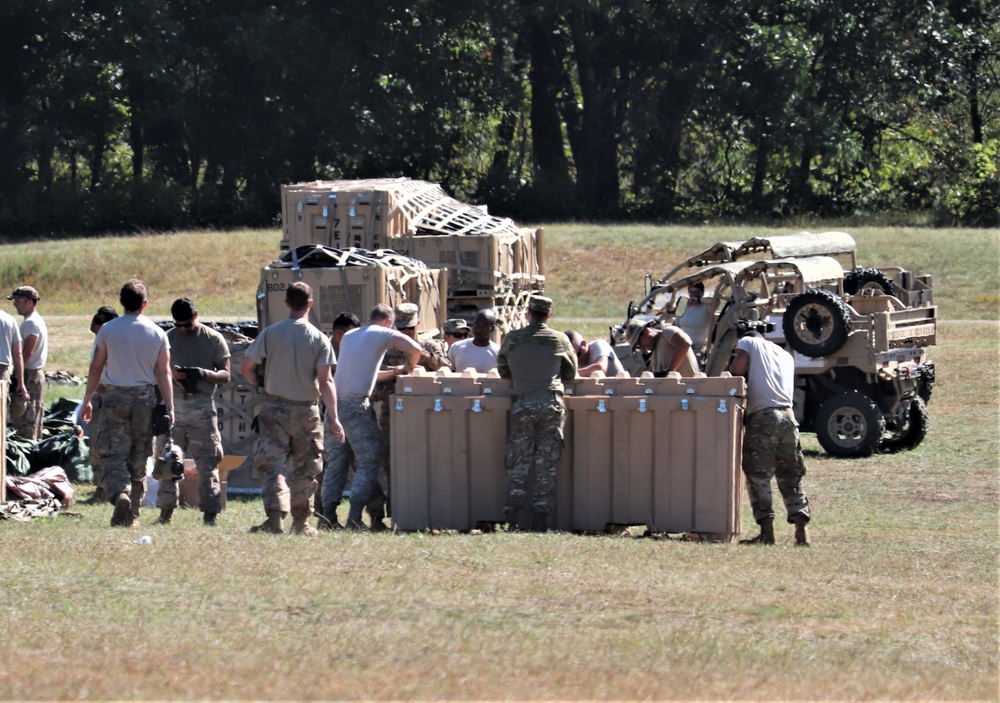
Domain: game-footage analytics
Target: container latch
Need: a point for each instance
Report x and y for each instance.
(684, 403)
(437, 405)
(399, 404)
(601, 406)
(722, 406)
(477, 406)
(642, 405)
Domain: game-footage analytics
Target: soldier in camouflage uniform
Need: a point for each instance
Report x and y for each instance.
(200, 358)
(537, 359)
(132, 355)
(297, 374)
(433, 356)
(103, 314)
(362, 352)
(771, 436)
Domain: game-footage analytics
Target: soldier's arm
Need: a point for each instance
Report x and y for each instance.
(248, 370)
(28, 345)
(163, 381)
(503, 366)
(93, 379)
(409, 348)
(567, 364)
(18, 363)
(324, 377)
(740, 363)
(221, 375)
(680, 343)
(434, 357)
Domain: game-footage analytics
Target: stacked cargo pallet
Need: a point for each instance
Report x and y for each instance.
(491, 262)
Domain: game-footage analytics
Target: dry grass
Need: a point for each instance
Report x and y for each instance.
(897, 599)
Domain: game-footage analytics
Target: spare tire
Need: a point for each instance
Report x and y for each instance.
(866, 278)
(913, 431)
(850, 424)
(816, 323)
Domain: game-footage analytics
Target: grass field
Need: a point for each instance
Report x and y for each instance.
(896, 600)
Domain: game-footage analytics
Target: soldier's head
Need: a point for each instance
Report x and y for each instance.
(103, 314)
(454, 330)
(298, 298)
(696, 291)
(185, 315)
(133, 296)
(381, 315)
(483, 325)
(342, 324)
(578, 343)
(539, 309)
(407, 316)
(25, 298)
(641, 334)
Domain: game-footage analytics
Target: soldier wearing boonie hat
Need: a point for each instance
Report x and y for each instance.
(669, 348)
(537, 359)
(35, 351)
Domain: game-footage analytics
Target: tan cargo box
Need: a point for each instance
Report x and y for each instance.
(237, 404)
(355, 289)
(479, 264)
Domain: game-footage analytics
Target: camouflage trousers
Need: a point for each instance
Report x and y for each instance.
(534, 443)
(771, 449)
(29, 425)
(94, 428)
(196, 432)
(290, 454)
(125, 441)
(362, 445)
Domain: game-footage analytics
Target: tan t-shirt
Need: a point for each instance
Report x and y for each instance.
(293, 350)
(663, 352)
(204, 347)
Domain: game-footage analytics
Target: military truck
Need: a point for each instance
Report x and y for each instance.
(859, 335)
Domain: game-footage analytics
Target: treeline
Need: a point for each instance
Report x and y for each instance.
(119, 115)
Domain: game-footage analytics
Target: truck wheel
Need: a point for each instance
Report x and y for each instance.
(816, 323)
(850, 424)
(866, 278)
(912, 433)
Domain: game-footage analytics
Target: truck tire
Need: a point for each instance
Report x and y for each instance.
(816, 323)
(866, 278)
(850, 424)
(910, 434)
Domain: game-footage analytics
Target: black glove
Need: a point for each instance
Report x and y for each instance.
(161, 420)
(192, 374)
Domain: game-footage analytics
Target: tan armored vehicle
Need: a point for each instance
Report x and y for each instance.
(859, 336)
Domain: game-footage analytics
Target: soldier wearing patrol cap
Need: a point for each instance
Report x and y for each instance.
(454, 330)
(537, 359)
(432, 357)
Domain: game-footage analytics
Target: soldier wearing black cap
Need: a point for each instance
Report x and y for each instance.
(35, 351)
(537, 359)
(199, 363)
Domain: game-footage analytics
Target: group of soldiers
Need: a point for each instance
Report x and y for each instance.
(318, 419)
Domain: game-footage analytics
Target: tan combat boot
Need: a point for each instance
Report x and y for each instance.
(801, 533)
(274, 524)
(300, 526)
(766, 535)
